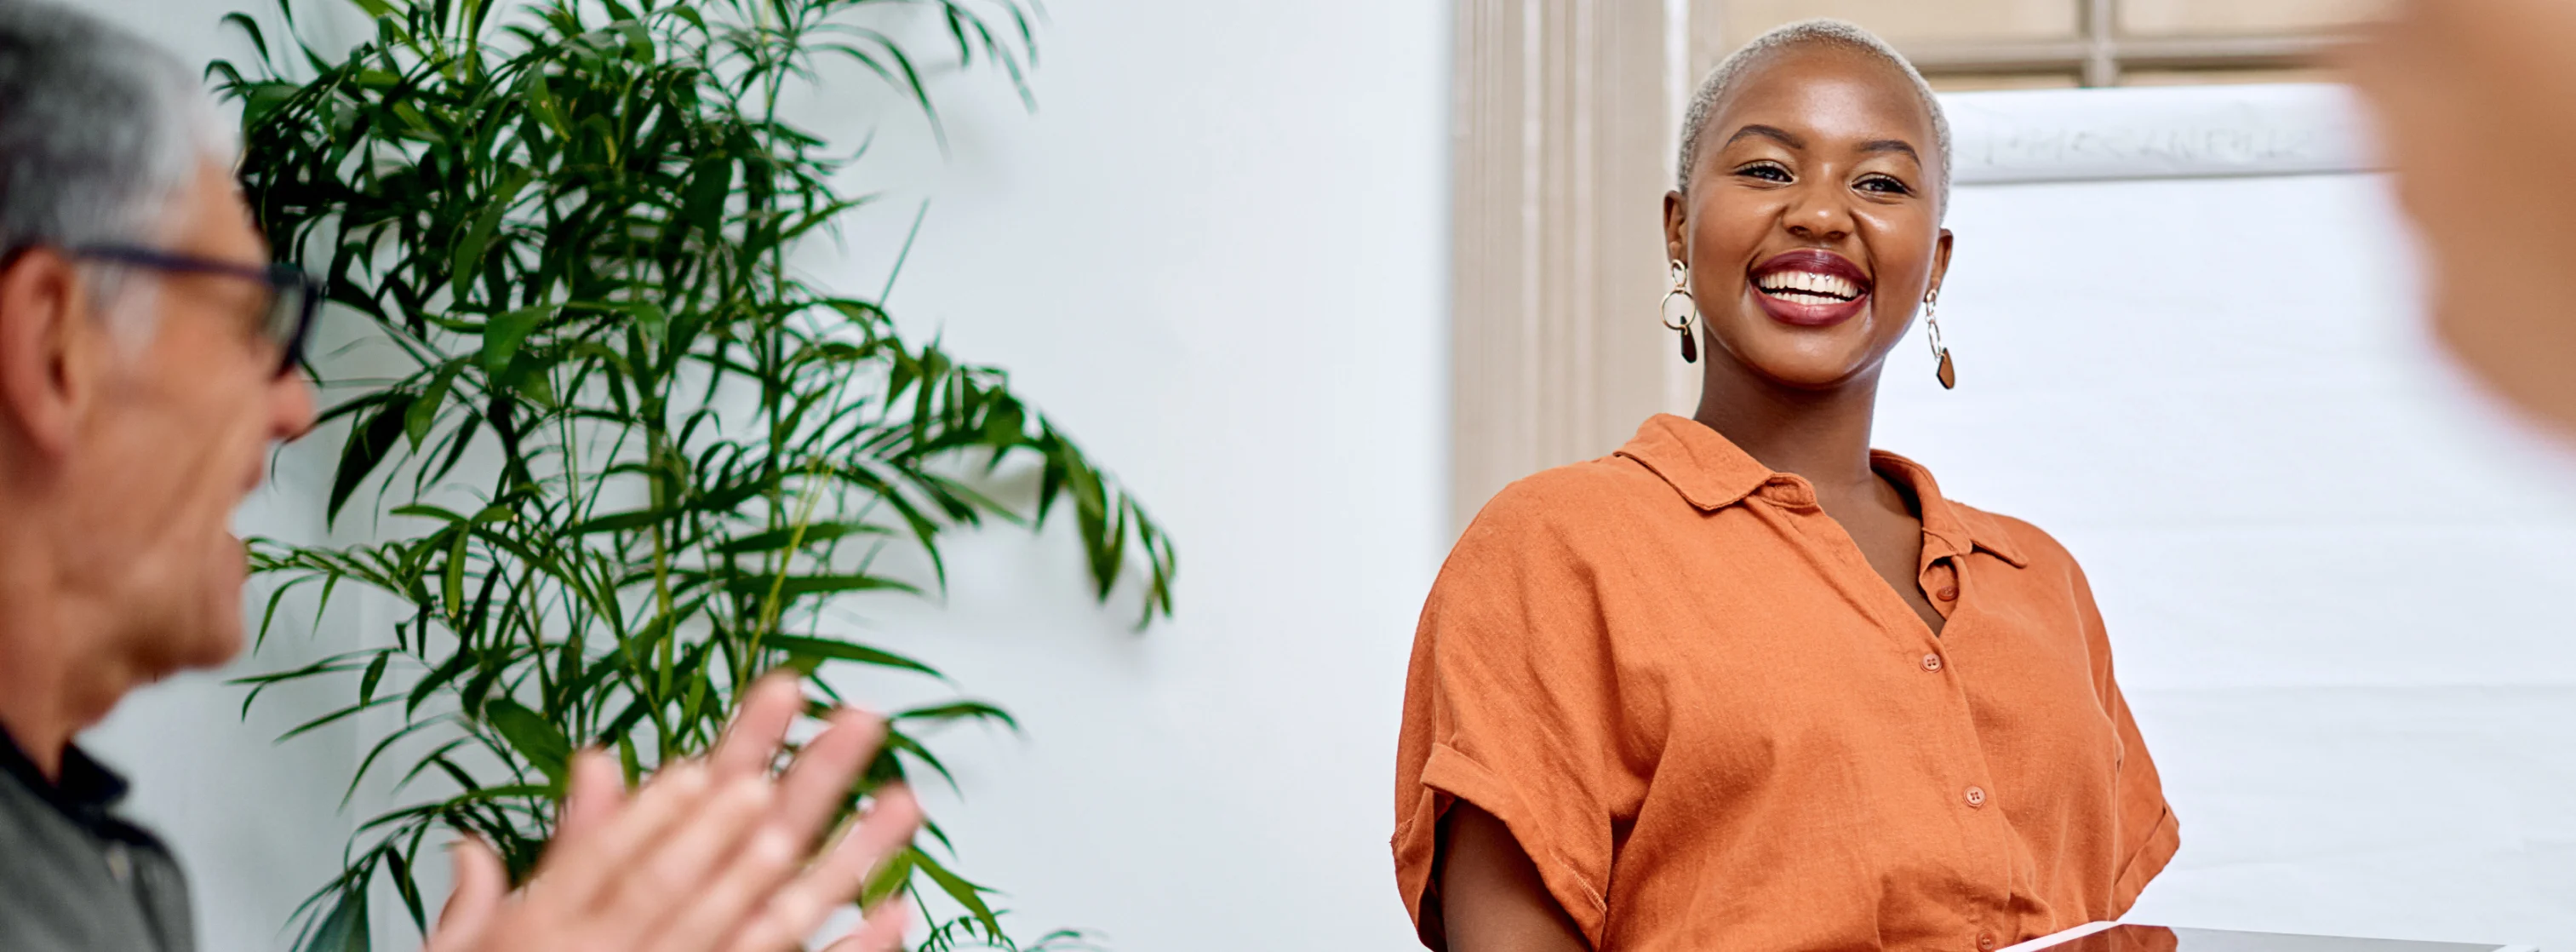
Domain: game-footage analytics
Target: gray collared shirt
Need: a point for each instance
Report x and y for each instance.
(73, 876)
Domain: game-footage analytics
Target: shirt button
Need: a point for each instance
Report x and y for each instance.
(1931, 662)
(1986, 941)
(1948, 593)
(1976, 796)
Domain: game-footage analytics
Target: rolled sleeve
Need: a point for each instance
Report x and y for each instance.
(1510, 705)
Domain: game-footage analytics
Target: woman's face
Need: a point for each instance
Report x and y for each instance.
(1812, 227)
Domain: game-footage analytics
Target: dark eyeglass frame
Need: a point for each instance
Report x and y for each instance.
(294, 296)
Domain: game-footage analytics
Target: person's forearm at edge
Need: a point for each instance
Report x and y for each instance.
(1491, 896)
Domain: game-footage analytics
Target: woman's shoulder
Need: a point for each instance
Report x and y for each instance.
(1580, 498)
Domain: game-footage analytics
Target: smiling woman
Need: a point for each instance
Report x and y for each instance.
(1747, 683)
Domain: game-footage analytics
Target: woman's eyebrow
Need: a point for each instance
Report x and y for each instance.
(1768, 132)
(1893, 145)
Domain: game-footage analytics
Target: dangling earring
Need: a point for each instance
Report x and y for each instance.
(1681, 289)
(1940, 353)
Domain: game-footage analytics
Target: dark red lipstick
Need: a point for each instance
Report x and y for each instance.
(1810, 287)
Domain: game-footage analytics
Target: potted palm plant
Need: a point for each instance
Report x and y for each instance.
(630, 455)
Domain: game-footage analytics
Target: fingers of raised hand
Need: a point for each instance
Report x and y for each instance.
(817, 783)
(834, 881)
(594, 793)
(711, 915)
(574, 875)
(691, 858)
(481, 885)
(750, 744)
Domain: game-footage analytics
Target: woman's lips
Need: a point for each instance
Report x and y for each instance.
(1810, 288)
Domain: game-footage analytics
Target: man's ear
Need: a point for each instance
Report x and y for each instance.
(43, 305)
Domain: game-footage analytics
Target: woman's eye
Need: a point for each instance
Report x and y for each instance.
(1884, 184)
(1764, 171)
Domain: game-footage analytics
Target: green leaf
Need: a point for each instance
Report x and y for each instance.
(423, 413)
(344, 929)
(369, 444)
(810, 535)
(375, 673)
(966, 894)
(651, 319)
(710, 186)
(400, 869)
(505, 333)
(469, 251)
(837, 650)
(452, 581)
(331, 718)
(438, 677)
(258, 40)
(531, 735)
(794, 586)
(959, 710)
(618, 522)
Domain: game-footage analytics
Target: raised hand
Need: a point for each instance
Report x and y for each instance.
(2475, 101)
(707, 857)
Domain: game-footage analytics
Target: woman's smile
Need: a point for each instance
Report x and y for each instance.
(1810, 287)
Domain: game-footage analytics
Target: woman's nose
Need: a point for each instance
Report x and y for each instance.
(1819, 214)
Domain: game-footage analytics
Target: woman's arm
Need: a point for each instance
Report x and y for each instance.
(1491, 898)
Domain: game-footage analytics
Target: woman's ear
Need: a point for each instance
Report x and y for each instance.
(1677, 224)
(1940, 260)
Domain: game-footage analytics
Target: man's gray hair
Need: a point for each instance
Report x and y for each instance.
(1821, 31)
(99, 129)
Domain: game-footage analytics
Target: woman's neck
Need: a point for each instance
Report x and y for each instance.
(1822, 435)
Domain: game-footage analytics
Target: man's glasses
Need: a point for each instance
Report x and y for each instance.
(293, 296)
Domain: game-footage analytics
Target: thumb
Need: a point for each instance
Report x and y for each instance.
(474, 902)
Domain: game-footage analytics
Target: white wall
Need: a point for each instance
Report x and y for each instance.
(1217, 254)
(2336, 580)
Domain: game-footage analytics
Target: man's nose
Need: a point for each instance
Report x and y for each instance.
(291, 407)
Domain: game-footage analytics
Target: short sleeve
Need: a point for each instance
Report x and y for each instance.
(1511, 704)
(2149, 834)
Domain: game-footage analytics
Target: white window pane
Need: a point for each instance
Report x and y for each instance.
(2228, 77)
(2172, 17)
(1902, 21)
(1973, 82)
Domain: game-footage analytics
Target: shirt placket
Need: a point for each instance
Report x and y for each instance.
(1987, 835)
(1961, 766)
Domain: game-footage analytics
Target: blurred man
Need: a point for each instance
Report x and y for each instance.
(148, 358)
(2477, 105)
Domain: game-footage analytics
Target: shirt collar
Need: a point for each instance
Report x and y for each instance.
(1712, 473)
(1948, 528)
(85, 791)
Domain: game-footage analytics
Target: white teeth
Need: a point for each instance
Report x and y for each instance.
(1809, 284)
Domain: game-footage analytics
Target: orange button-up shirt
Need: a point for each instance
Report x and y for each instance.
(1713, 726)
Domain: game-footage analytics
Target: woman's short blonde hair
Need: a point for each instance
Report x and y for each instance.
(1824, 31)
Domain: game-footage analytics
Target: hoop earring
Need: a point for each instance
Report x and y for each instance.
(1681, 289)
(1940, 353)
